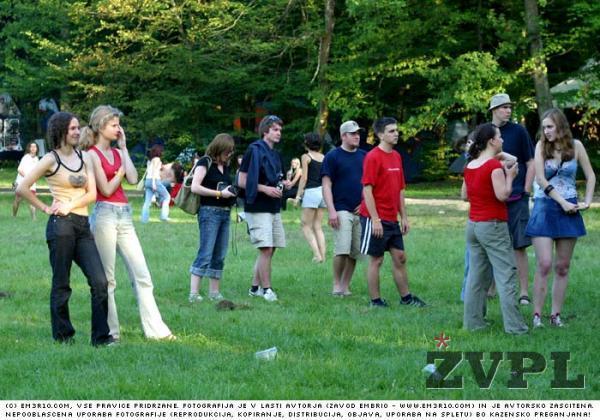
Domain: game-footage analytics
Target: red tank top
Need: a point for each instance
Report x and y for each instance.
(110, 170)
(480, 191)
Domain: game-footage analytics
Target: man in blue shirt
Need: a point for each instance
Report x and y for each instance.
(261, 176)
(341, 174)
(518, 143)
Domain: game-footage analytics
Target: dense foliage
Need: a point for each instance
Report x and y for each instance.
(184, 70)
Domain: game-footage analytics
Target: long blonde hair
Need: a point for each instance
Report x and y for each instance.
(98, 119)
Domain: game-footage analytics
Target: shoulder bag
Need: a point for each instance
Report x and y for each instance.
(185, 199)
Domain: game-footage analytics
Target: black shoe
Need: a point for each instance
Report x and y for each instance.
(379, 304)
(111, 342)
(413, 301)
(66, 341)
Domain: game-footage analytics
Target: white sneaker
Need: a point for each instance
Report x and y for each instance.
(269, 295)
(537, 321)
(259, 292)
(555, 321)
(195, 298)
(215, 296)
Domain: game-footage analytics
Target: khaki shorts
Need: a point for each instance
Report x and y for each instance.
(266, 230)
(346, 238)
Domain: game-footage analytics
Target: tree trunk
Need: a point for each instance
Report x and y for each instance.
(321, 72)
(543, 97)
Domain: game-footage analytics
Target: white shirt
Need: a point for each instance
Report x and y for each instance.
(26, 165)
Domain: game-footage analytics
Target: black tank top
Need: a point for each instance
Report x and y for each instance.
(313, 178)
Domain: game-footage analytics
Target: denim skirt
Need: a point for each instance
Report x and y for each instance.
(550, 221)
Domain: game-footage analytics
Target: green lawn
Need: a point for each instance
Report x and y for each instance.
(329, 348)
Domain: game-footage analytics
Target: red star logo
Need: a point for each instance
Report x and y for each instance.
(442, 340)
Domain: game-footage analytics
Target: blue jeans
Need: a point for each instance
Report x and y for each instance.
(214, 238)
(69, 239)
(163, 197)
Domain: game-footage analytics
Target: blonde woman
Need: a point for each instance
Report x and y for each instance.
(113, 223)
(293, 176)
(28, 162)
(556, 222)
(311, 192)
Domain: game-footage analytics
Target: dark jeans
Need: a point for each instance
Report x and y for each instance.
(69, 239)
(291, 193)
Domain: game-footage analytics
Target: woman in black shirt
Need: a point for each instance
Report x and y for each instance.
(213, 182)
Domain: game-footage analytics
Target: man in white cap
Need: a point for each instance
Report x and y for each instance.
(518, 143)
(341, 175)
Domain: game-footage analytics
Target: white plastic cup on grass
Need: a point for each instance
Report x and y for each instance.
(268, 354)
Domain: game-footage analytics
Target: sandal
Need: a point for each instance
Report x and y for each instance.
(524, 300)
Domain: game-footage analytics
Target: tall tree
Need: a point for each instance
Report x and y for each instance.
(321, 72)
(539, 70)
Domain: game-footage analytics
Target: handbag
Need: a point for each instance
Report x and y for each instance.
(185, 199)
(140, 184)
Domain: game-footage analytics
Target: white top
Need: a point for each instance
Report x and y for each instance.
(26, 165)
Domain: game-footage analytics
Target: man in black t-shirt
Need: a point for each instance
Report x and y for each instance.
(261, 175)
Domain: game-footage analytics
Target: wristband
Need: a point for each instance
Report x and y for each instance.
(548, 189)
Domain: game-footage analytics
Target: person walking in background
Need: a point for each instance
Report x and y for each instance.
(112, 221)
(487, 185)
(556, 221)
(293, 175)
(70, 177)
(517, 143)
(341, 174)
(310, 191)
(213, 182)
(153, 185)
(261, 176)
(27, 163)
(383, 200)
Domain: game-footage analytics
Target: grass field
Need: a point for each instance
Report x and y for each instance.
(329, 348)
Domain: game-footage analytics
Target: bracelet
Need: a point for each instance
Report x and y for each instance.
(548, 189)
(376, 220)
(219, 194)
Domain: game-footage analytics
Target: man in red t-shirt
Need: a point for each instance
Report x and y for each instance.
(383, 199)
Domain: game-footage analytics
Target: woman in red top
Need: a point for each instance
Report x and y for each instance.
(112, 221)
(487, 184)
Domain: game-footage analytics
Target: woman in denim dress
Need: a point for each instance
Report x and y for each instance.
(556, 222)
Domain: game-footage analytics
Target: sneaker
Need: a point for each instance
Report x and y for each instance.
(413, 301)
(195, 298)
(379, 304)
(259, 292)
(269, 295)
(524, 300)
(215, 296)
(555, 321)
(537, 321)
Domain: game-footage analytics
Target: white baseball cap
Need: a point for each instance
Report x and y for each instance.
(349, 127)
